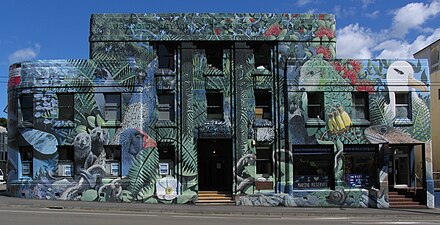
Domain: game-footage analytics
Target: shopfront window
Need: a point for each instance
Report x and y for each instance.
(360, 165)
(26, 156)
(112, 160)
(65, 160)
(313, 166)
(166, 158)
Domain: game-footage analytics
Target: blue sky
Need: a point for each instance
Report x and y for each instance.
(55, 29)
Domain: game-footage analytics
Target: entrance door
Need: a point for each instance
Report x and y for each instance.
(215, 164)
(401, 169)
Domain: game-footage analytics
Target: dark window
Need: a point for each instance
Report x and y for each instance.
(165, 53)
(166, 158)
(214, 56)
(214, 105)
(27, 107)
(166, 106)
(315, 107)
(313, 166)
(360, 105)
(65, 161)
(26, 155)
(65, 107)
(360, 165)
(113, 160)
(262, 55)
(403, 109)
(112, 107)
(263, 104)
(264, 161)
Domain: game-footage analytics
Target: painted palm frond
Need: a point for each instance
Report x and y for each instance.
(143, 172)
(421, 128)
(380, 112)
(189, 157)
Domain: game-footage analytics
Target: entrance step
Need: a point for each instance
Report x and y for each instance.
(404, 199)
(215, 198)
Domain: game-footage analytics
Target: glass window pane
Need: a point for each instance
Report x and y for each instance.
(165, 54)
(27, 107)
(360, 169)
(214, 56)
(112, 107)
(214, 105)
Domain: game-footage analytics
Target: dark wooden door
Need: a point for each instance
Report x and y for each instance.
(215, 164)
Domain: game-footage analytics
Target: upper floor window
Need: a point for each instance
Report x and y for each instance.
(214, 56)
(27, 107)
(263, 104)
(315, 106)
(360, 105)
(403, 107)
(165, 53)
(214, 102)
(65, 106)
(112, 107)
(262, 55)
(166, 106)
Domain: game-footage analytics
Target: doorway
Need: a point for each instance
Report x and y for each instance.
(215, 164)
(401, 167)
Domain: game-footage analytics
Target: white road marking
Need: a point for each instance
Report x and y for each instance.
(397, 222)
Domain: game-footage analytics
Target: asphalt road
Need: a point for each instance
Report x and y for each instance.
(77, 217)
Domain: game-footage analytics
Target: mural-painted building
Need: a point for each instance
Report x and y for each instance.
(175, 108)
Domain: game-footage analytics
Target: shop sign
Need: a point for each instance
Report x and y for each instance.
(358, 180)
(312, 148)
(310, 181)
(360, 148)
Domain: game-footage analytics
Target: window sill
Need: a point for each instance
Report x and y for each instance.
(165, 124)
(165, 72)
(25, 124)
(111, 123)
(261, 72)
(403, 122)
(361, 122)
(263, 123)
(315, 122)
(213, 72)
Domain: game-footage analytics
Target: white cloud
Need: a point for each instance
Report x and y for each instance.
(373, 15)
(354, 41)
(402, 49)
(303, 2)
(365, 3)
(344, 12)
(25, 54)
(412, 16)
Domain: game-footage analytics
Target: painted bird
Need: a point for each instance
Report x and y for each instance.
(133, 141)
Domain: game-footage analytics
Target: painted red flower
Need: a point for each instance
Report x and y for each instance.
(324, 51)
(351, 75)
(274, 30)
(301, 30)
(356, 65)
(217, 31)
(321, 16)
(338, 66)
(252, 19)
(228, 20)
(322, 31)
(365, 86)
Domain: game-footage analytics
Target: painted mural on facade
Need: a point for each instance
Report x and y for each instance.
(132, 70)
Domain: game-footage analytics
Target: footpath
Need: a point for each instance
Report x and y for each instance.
(7, 202)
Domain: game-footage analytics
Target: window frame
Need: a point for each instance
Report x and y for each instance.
(214, 56)
(28, 160)
(25, 107)
(112, 107)
(362, 150)
(263, 101)
(210, 94)
(168, 158)
(266, 160)
(315, 104)
(62, 107)
(116, 159)
(165, 54)
(406, 105)
(69, 159)
(262, 54)
(162, 108)
(365, 106)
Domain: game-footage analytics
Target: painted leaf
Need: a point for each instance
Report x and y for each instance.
(89, 195)
(43, 142)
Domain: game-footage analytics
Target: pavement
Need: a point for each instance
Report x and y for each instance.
(21, 203)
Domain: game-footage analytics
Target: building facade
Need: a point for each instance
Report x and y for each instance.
(254, 106)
